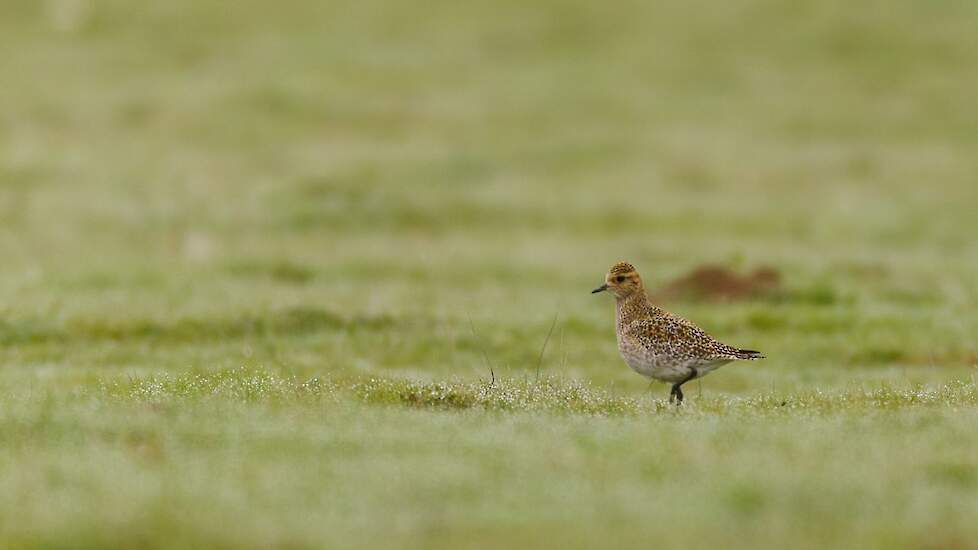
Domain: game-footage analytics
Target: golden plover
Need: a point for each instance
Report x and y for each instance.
(658, 344)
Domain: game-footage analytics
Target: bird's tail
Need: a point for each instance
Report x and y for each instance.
(749, 354)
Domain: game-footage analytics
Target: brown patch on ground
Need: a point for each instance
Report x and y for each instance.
(719, 284)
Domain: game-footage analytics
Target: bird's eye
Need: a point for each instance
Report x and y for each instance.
(620, 278)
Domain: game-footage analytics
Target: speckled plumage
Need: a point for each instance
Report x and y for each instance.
(658, 344)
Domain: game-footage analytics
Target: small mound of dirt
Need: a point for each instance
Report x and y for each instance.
(720, 284)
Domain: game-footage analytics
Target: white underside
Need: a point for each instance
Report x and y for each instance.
(670, 369)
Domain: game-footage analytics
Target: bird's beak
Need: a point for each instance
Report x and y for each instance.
(601, 288)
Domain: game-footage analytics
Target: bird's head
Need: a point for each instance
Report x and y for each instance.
(622, 280)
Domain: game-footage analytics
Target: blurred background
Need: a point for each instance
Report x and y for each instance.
(405, 189)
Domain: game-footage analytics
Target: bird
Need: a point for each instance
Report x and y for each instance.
(658, 344)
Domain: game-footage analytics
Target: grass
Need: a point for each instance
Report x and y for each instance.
(280, 276)
(178, 458)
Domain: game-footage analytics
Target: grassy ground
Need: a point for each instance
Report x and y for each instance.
(258, 262)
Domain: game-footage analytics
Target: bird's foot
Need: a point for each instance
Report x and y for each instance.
(677, 394)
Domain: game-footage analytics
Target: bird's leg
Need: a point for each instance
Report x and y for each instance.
(677, 390)
(676, 394)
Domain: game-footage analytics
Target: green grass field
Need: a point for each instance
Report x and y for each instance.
(281, 275)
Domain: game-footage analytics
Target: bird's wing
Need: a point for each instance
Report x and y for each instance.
(665, 333)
